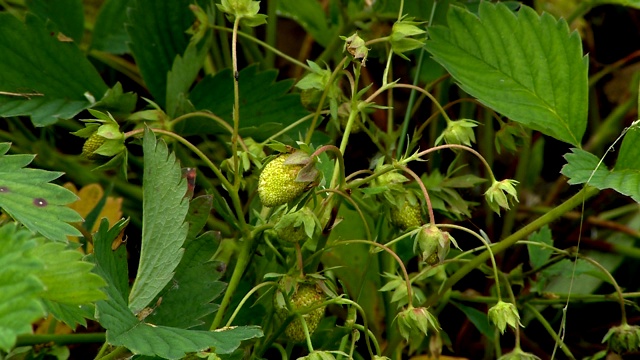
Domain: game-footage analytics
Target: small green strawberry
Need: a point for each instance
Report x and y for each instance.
(297, 226)
(277, 184)
(406, 216)
(305, 296)
(91, 145)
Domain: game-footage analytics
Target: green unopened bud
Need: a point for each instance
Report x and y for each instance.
(406, 36)
(246, 10)
(434, 244)
(354, 44)
(623, 338)
(518, 354)
(314, 84)
(504, 313)
(297, 226)
(509, 136)
(103, 134)
(318, 355)
(501, 195)
(416, 321)
(459, 132)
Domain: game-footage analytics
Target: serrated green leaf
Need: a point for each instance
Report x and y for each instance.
(109, 33)
(116, 102)
(187, 298)
(311, 16)
(67, 16)
(72, 315)
(55, 73)
(124, 328)
(19, 285)
(27, 196)
(164, 209)
(525, 66)
(478, 318)
(539, 255)
(157, 33)
(184, 71)
(266, 104)
(199, 209)
(629, 152)
(581, 168)
(67, 279)
(629, 3)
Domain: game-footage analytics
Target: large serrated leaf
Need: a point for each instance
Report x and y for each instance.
(266, 106)
(67, 16)
(581, 168)
(19, 285)
(164, 209)
(189, 295)
(67, 279)
(525, 66)
(157, 33)
(109, 33)
(125, 329)
(41, 76)
(27, 196)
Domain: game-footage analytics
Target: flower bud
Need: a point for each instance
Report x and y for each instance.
(354, 44)
(416, 321)
(501, 194)
(504, 313)
(623, 338)
(459, 132)
(434, 244)
(406, 36)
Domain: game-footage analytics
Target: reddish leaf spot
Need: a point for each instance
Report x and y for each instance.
(40, 202)
(4, 189)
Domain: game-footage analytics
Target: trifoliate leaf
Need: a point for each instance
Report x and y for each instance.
(29, 197)
(140, 337)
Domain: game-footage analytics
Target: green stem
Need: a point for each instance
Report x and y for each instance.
(412, 100)
(115, 354)
(425, 193)
(266, 46)
(318, 111)
(27, 340)
(246, 298)
(236, 105)
(272, 32)
(394, 255)
(235, 198)
(550, 330)
(456, 146)
(623, 312)
(236, 276)
(486, 244)
(498, 248)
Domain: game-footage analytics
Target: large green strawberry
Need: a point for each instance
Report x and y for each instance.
(305, 296)
(277, 184)
(407, 216)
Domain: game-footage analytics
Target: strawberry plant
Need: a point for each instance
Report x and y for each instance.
(340, 179)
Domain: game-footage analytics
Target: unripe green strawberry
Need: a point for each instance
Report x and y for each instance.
(277, 185)
(92, 144)
(297, 226)
(407, 216)
(304, 297)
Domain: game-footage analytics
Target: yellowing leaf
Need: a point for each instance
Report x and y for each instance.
(89, 197)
